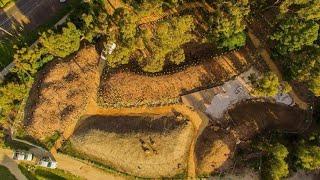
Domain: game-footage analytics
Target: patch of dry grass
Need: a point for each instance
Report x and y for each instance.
(60, 94)
(142, 146)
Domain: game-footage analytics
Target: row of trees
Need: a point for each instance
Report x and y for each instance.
(151, 46)
(227, 24)
(159, 43)
(296, 36)
(278, 160)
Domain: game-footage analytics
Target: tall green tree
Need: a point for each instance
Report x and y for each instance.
(308, 157)
(11, 95)
(305, 67)
(61, 44)
(293, 34)
(166, 43)
(268, 85)
(227, 24)
(275, 167)
(27, 60)
(305, 9)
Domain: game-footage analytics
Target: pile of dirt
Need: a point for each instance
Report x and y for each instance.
(217, 143)
(150, 146)
(127, 89)
(61, 92)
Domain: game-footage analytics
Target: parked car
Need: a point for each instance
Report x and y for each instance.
(22, 155)
(47, 162)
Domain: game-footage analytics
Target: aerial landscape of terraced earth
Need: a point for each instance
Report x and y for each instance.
(159, 89)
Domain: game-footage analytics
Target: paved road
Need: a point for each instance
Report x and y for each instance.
(7, 161)
(28, 14)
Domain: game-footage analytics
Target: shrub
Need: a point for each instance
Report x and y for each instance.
(308, 157)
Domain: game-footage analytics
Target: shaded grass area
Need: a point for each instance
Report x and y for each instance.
(68, 149)
(16, 145)
(40, 173)
(6, 174)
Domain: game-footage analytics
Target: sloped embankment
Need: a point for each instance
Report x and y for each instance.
(61, 93)
(217, 144)
(126, 89)
(145, 146)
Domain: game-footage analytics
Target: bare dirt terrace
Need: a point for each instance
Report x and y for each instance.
(125, 89)
(61, 93)
(145, 146)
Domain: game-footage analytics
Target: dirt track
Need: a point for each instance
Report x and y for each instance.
(273, 67)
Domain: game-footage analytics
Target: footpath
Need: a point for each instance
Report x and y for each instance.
(273, 67)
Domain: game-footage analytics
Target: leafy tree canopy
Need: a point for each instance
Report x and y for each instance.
(11, 95)
(167, 41)
(294, 34)
(27, 60)
(155, 45)
(227, 24)
(306, 9)
(268, 85)
(61, 44)
(275, 167)
(308, 157)
(305, 67)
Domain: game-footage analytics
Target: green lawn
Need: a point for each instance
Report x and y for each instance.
(40, 173)
(6, 174)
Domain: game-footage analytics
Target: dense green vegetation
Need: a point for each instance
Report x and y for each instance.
(297, 38)
(275, 166)
(40, 173)
(6, 174)
(281, 153)
(308, 157)
(269, 85)
(227, 24)
(11, 96)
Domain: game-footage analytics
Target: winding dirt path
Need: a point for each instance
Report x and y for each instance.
(273, 67)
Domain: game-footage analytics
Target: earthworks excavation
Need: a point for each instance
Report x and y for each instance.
(217, 144)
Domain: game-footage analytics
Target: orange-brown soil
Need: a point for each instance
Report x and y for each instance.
(61, 93)
(127, 89)
(217, 144)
